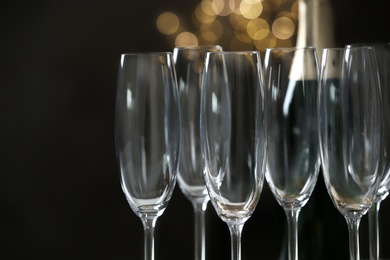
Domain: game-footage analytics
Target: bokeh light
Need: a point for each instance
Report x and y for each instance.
(283, 28)
(257, 29)
(269, 42)
(167, 23)
(251, 8)
(204, 13)
(216, 27)
(186, 39)
(223, 8)
(234, 24)
(242, 36)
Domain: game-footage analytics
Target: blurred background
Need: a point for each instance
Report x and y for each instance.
(60, 193)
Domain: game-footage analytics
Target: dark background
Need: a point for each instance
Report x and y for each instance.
(60, 196)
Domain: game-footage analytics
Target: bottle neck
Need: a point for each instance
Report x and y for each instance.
(315, 24)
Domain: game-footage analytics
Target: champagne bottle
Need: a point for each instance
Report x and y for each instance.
(323, 233)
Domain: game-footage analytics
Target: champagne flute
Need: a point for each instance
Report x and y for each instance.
(382, 53)
(189, 64)
(293, 164)
(233, 144)
(147, 136)
(350, 130)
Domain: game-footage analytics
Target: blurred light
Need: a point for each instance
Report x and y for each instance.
(203, 17)
(223, 9)
(238, 21)
(289, 15)
(234, 19)
(208, 8)
(240, 24)
(251, 8)
(235, 6)
(216, 27)
(283, 28)
(294, 8)
(242, 36)
(257, 29)
(167, 23)
(209, 36)
(186, 39)
(268, 42)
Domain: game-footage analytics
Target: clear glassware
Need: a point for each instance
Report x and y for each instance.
(147, 136)
(350, 130)
(189, 64)
(233, 144)
(291, 76)
(382, 53)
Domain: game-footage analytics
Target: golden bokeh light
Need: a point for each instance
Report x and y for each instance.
(186, 39)
(235, 6)
(234, 19)
(283, 28)
(167, 23)
(268, 42)
(208, 7)
(223, 8)
(216, 27)
(204, 15)
(234, 24)
(208, 36)
(242, 36)
(238, 21)
(292, 16)
(294, 8)
(257, 29)
(251, 8)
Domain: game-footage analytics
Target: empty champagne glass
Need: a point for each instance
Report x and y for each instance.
(189, 64)
(350, 130)
(147, 136)
(382, 53)
(233, 140)
(291, 76)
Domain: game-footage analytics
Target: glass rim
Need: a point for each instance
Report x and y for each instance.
(334, 48)
(234, 52)
(291, 48)
(348, 47)
(197, 47)
(367, 44)
(147, 53)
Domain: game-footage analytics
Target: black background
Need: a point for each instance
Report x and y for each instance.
(60, 196)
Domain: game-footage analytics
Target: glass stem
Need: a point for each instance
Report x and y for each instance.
(200, 234)
(149, 224)
(292, 222)
(353, 231)
(373, 222)
(235, 238)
